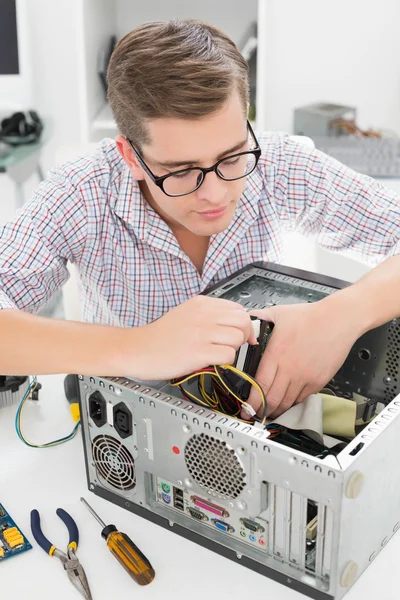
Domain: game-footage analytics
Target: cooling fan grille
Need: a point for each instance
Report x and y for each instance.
(113, 462)
(214, 466)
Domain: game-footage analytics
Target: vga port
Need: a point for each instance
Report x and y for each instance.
(222, 526)
(252, 525)
(197, 514)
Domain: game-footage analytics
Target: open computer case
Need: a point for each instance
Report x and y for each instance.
(313, 523)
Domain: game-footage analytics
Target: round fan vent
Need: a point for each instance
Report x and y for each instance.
(113, 462)
(214, 466)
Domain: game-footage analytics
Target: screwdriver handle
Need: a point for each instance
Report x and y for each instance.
(129, 556)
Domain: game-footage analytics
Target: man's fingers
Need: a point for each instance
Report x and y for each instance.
(265, 314)
(241, 321)
(277, 393)
(265, 376)
(288, 400)
(220, 355)
(229, 336)
(306, 391)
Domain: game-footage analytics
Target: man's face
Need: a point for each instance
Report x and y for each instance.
(181, 143)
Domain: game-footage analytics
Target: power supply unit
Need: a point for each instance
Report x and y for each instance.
(311, 521)
(319, 119)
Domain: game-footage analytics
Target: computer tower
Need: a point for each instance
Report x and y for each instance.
(311, 523)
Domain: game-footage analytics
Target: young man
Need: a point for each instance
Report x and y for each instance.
(185, 196)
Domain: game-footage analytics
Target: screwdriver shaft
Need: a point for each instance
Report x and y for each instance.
(90, 509)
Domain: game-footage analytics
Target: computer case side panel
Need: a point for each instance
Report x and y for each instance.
(371, 494)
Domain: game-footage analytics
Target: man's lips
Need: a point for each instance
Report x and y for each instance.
(215, 212)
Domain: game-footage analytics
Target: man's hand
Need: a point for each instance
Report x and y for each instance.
(200, 332)
(309, 344)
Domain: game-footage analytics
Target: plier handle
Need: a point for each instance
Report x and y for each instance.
(69, 560)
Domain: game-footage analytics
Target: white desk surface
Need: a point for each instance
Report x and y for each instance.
(51, 478)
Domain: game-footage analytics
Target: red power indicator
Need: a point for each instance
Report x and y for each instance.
(175, 450)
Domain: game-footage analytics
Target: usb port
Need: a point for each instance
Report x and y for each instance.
(178, 499)
(356, 449)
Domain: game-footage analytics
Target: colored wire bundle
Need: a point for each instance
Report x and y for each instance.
(18, 422)
(274, 430)
(349, 126)
(220, 394)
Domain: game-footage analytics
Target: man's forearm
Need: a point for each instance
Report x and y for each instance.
(374, 299)
(36, 345)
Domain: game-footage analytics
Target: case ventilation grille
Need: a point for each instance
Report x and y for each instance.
(392, 361)
(214, 466)
(113, 462)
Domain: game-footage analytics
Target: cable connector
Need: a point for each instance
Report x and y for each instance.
(249, 409)
(366, 407)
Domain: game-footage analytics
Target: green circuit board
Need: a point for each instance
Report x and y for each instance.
(12, 540)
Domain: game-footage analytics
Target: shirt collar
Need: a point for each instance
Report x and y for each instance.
(131, 207)
(223, 243)
(249, 204)
(130, 204)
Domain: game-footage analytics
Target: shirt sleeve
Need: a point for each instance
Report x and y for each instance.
(346, 211)
(36, 245)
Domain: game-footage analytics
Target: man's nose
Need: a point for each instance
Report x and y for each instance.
(213, 189)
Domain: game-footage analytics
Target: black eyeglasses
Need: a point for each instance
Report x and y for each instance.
(186, 181)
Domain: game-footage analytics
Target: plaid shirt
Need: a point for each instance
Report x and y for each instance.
(91, 212)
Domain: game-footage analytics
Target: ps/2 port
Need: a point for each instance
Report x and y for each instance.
(166, 488)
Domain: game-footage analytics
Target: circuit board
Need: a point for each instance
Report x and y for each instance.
(12, 540)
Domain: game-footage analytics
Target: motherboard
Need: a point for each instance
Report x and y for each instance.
(12, 540)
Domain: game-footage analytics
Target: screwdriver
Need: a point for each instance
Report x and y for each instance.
(125, 551)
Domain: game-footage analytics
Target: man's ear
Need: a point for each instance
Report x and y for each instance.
(129, 157)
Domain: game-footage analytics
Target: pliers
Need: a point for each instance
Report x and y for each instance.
(69, 560)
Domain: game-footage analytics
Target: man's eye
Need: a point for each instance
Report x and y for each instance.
(232, 161)
(182, 175)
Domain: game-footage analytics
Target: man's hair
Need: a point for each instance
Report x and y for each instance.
(180, 68)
